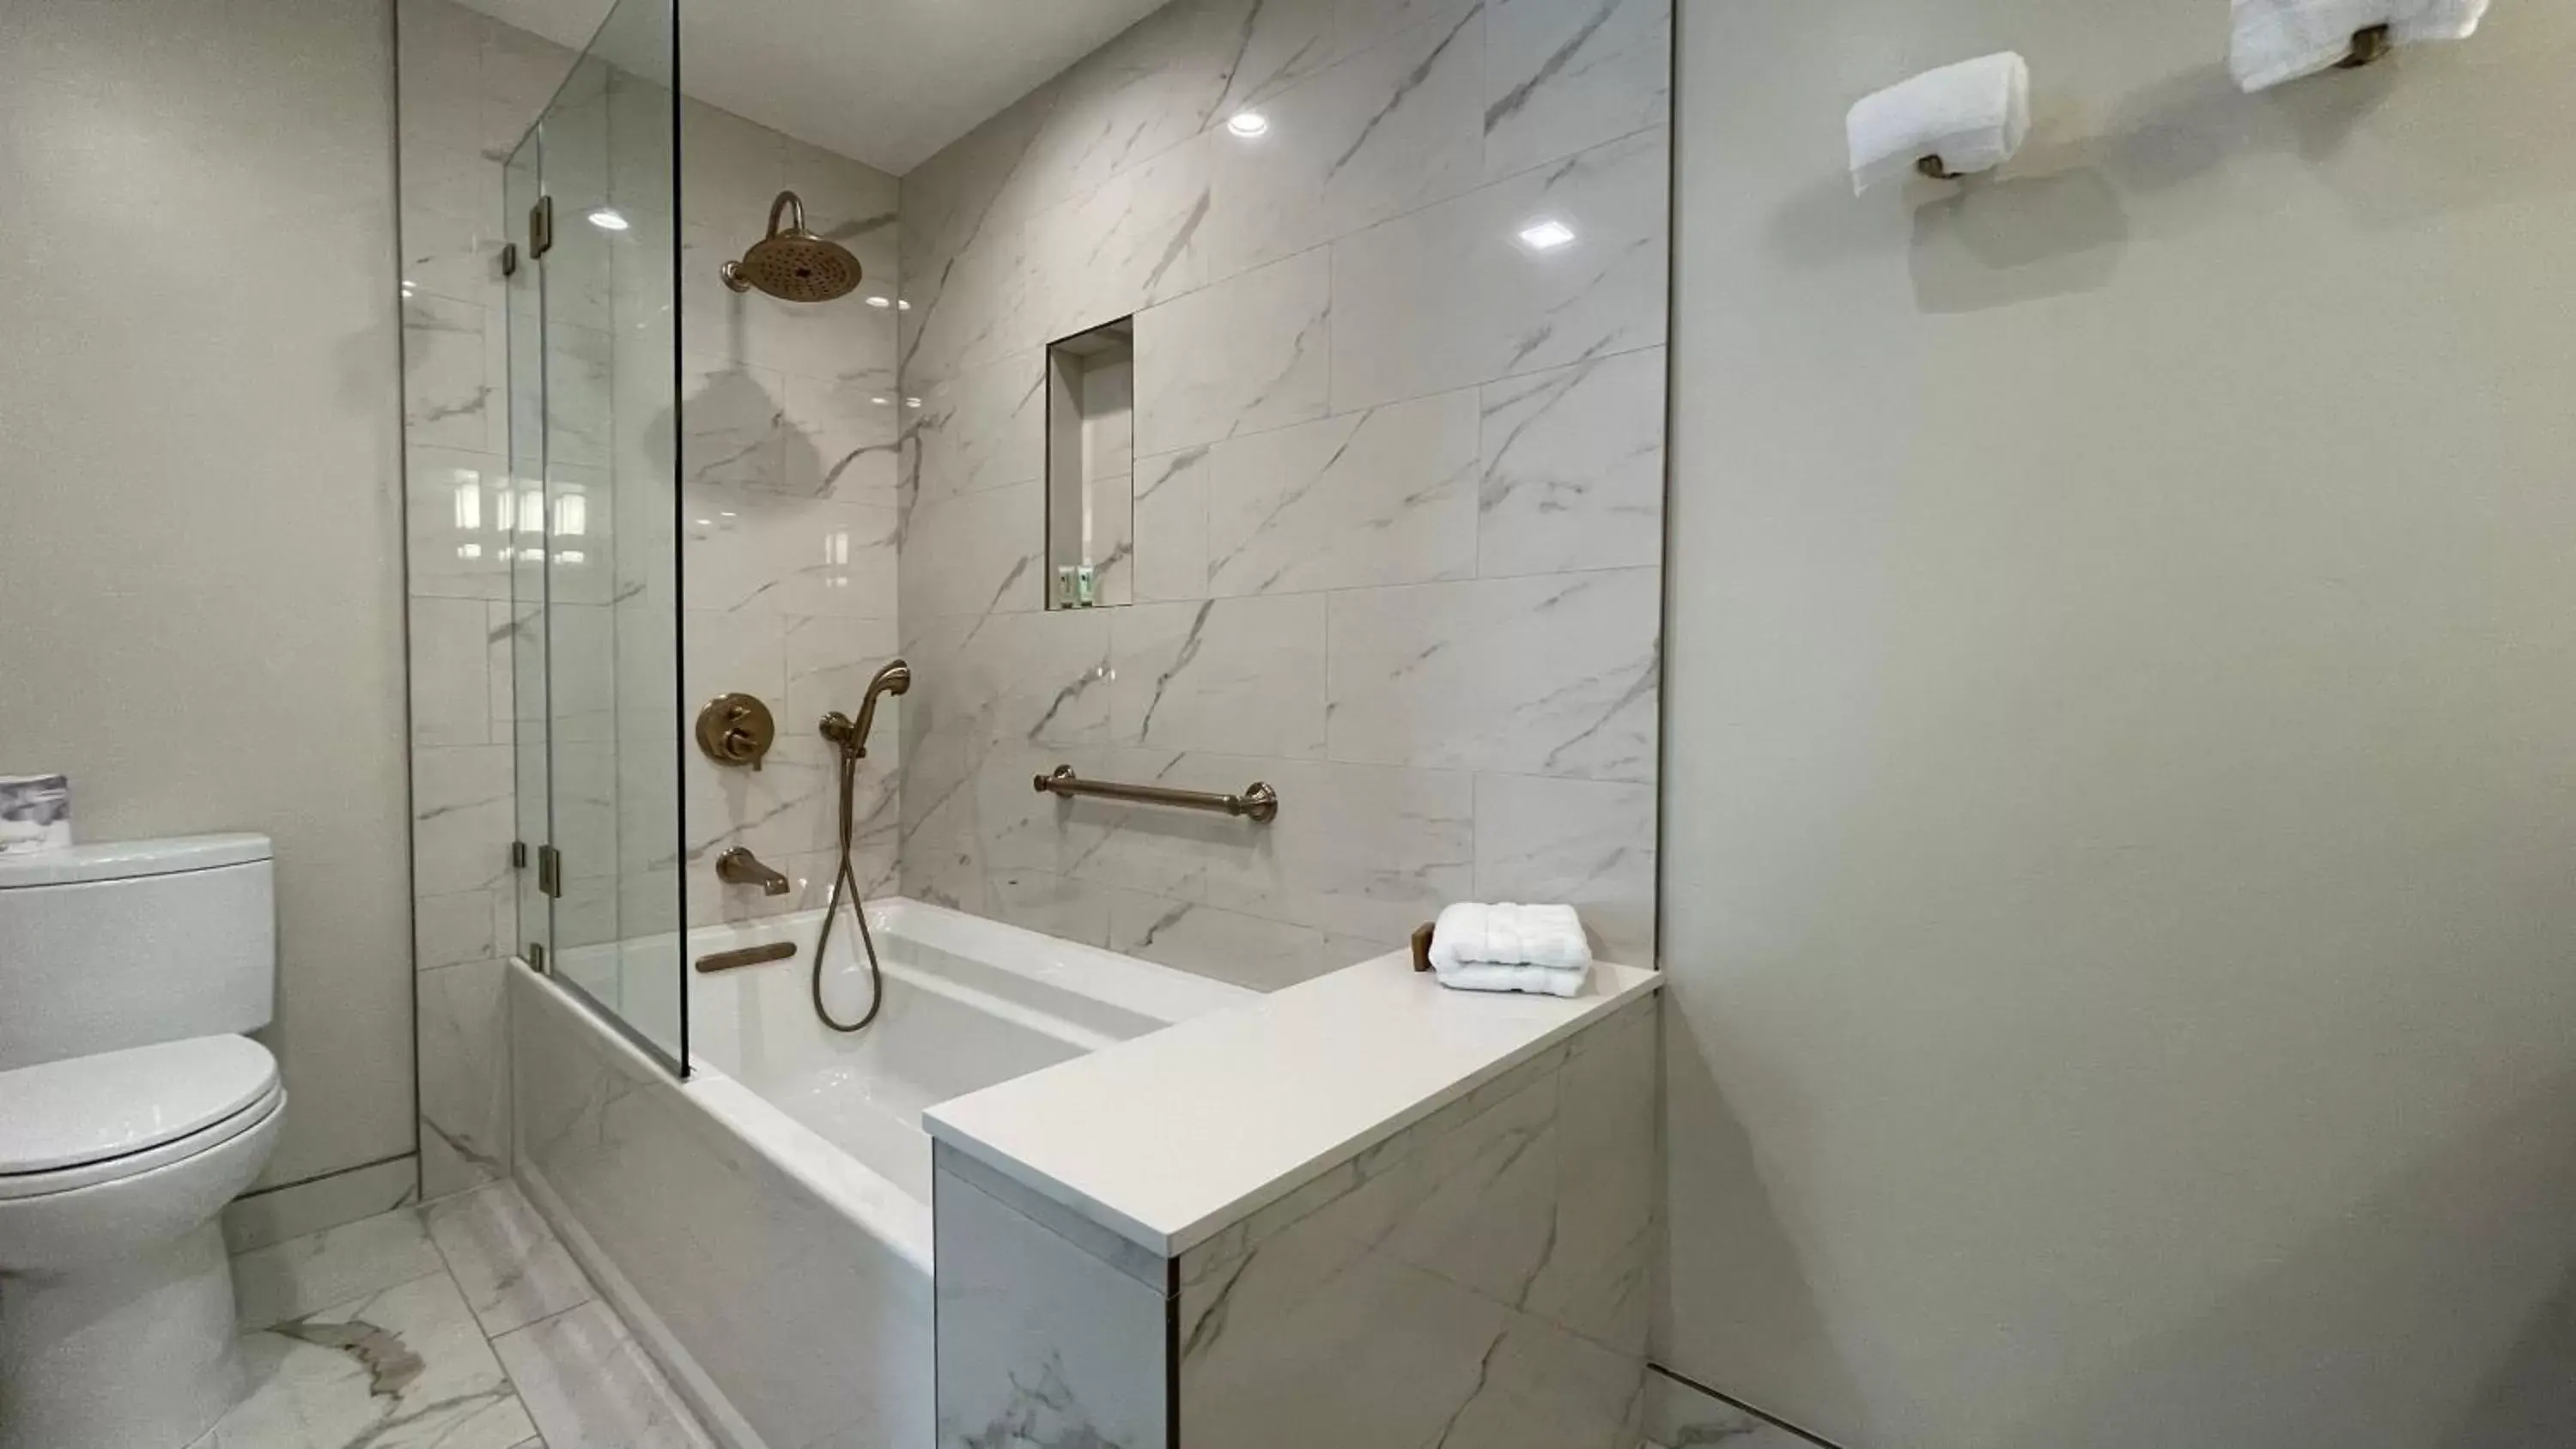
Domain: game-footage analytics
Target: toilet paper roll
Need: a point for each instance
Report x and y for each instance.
(35, 813)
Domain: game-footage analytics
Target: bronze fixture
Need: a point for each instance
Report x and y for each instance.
(837, 727)
(740, 867)
(1937, 169)
(746, 956)
(2369, 43)
(793, 264)
(852, 737)
(1258, 800)
(736, 729)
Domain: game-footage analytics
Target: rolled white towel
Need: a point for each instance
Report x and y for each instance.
(1509, 935)
(2282, 40)
(1538, 980)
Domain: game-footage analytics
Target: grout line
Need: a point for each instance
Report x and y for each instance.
(260, 1192)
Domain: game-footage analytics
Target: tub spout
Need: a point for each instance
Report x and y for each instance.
(740, 867)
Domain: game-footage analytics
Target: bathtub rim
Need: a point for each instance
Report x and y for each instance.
(879, 1205)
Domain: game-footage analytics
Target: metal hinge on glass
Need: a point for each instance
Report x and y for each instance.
(550, 871)
(541, 227)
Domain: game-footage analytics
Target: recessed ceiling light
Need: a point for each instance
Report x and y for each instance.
(879, 302)
(607, 220)
(1248, 124)
(1546, 236)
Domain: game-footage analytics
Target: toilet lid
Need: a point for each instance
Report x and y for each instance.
(96, 1108)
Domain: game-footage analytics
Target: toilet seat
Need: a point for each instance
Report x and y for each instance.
(87, 1120)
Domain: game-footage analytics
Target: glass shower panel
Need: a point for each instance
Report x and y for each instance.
(521, 531)
(606, 244)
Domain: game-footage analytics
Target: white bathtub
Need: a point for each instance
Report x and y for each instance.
(766, 1224)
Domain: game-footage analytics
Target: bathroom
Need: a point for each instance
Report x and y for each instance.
(784, 689)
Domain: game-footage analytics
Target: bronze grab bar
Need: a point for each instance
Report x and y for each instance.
(1258, 800)
(747, 956)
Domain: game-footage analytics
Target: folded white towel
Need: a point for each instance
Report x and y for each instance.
(1973, 115)
(1509, 935)
(2282, 40)
(1538, 980)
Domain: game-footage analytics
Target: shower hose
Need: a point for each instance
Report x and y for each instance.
(846, 881)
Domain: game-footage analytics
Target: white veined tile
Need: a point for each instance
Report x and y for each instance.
(403, 1368)
(506, 1261)
(1548, 675)
(976, 553)
(1247, 354)
(451, 672)
(981, 429)
(447, 399)
(462, 821)
(1248, 951)
(1131, 242)
(1587, 843)
(588, 1385)
(1172, 525)
(732, 420)
(1383, 496)
(840, 437)
(1560, 77)
(464, 1077)
(1457, 294)
(1395, 128)
(303, 1275)
(1572, 468)
(754, 551)
(1243, 676)
(971, 311)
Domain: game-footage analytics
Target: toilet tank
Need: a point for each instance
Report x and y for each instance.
(134, 942)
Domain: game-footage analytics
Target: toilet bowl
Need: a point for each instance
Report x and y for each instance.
(131, 1110)
(116, 1299)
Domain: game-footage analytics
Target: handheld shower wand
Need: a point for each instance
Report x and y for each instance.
(852, 737)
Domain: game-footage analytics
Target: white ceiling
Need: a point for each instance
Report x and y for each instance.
(888, 82)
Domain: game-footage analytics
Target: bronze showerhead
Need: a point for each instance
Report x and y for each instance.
(793, 264)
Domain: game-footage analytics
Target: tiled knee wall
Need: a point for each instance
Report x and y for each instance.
(1482, 1277)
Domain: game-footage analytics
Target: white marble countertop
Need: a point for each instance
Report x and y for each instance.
(1170, 1137)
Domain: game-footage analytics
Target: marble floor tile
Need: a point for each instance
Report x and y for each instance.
(589, 1386)
(504, 1258)
(396, 1369)
(303, 1275)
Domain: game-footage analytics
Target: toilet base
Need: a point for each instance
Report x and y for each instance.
(136, 1350)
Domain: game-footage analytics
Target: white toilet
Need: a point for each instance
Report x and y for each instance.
(131, 1110)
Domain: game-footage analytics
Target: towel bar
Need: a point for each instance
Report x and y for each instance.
(1258, 800)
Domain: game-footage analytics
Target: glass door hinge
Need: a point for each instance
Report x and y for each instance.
(550, 871)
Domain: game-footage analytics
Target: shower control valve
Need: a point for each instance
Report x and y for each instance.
(736, 729)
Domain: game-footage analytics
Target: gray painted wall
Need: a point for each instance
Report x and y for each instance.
(2120, 808)
(200, 525)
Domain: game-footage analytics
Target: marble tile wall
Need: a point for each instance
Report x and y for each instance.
(778, 1313)
(1398, 481)
(789, 428)
(1483, 1277)
(786, 449)
(468, 88)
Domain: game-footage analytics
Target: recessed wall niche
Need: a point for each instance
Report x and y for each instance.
(1091, 467)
